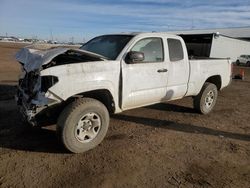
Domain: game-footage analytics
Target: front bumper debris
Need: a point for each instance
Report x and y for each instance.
(33, 109)
(27, 109)
(28, 115)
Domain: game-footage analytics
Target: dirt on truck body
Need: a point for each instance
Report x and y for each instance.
(110, 74)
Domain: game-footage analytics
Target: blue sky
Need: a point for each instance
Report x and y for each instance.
(85, 19)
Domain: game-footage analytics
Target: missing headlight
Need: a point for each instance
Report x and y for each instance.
(47, 82)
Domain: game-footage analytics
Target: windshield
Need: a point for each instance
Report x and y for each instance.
(108, 46)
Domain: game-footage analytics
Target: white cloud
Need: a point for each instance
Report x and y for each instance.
(131, 15)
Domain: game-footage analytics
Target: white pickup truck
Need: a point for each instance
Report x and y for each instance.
(110, 74)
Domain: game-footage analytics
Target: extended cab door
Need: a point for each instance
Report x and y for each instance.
(179, 69)
(145, 82)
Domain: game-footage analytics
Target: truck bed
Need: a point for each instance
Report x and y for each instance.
(200, 69)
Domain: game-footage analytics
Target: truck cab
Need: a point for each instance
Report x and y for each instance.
(151, 79)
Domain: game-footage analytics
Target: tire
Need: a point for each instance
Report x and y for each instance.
(82, 125)
(238, 62)
(248, 64)
(205, 101)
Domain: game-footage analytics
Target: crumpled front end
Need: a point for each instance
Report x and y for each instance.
(34, 95)
(31, 95)
(32, 86)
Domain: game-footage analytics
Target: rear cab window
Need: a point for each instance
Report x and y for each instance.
(175, 50)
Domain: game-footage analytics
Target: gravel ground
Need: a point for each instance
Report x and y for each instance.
(164, 145)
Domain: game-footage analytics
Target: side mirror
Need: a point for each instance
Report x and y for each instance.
(134, 57)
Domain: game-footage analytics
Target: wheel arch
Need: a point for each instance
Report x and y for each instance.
(102, 95)
(216, 80)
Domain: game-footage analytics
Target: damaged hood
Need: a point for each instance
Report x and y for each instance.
(33, 59)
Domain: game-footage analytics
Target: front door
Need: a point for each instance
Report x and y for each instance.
(145, 82)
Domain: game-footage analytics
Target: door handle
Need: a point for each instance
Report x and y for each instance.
(162, 70)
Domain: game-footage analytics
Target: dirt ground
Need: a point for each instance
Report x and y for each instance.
(164, 145)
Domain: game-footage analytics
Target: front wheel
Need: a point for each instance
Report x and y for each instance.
(248, 64)
(83, 124)
(238, 62)
(205, 101)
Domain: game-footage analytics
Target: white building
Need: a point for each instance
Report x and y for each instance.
(217, 43)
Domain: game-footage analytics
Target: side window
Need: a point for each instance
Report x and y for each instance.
(152, 49)
(175, 50)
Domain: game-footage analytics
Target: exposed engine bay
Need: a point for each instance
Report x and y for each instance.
(70, 57)
(33, 95)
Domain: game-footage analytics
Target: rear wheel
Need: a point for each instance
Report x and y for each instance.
(237, 62)
(83, 124)
(205, 101)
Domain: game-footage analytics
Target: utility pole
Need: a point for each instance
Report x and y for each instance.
(51, 34)
(72, 40)
(192, 27)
